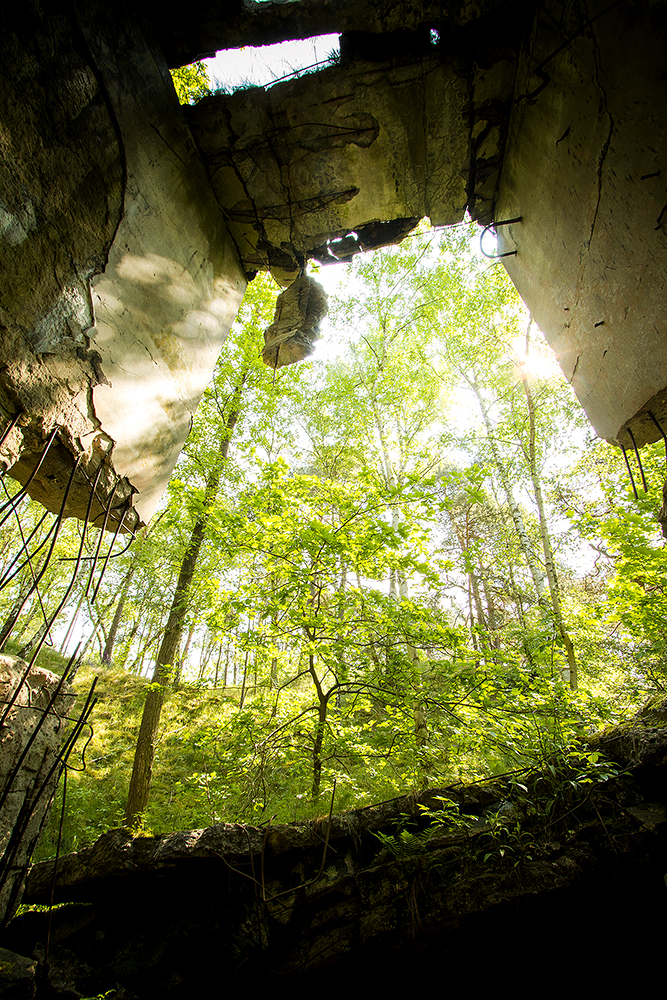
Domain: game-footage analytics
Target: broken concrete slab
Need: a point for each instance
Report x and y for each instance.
(113, 343)
(303, 165)
(584, 169)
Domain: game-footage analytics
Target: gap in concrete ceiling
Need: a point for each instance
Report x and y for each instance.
(234, 69)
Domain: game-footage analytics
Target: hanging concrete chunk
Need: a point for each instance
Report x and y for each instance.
(296, 324)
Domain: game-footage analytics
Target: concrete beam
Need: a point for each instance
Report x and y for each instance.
(221, 25)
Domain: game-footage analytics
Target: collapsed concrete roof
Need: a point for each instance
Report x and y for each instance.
(464, 26)
(128, 228)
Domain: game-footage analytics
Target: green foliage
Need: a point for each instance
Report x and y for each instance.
(191, 83)
(633, 608)
(365, 608)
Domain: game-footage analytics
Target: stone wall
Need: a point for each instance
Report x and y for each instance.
(31, 736)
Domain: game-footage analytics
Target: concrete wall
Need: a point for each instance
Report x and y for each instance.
(124, 281)
(585, 169)
(120, 278)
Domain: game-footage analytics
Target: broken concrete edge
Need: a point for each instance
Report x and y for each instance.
(119, 851)
(647, 426)
(581, 76)
(299, 312)
(69, 479)
(633, 746)
(349, 166)
(212, 28)
(17, 975)
(117, 355)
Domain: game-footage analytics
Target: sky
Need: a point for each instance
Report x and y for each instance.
(258, 67)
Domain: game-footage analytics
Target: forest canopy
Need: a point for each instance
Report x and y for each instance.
(405, 564)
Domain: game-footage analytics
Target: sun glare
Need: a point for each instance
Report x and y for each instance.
(539, 361)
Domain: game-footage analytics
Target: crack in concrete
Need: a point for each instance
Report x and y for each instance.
(601, 160)
(605, 148)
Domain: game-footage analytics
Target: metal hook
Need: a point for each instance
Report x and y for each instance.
(494, 225)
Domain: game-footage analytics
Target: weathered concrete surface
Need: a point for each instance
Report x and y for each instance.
(61, 197)
(297, 167)
(120, 281)
(17, 976)
(296, 324)
(353, 156)
(221, 25)
(30, 740)
(585, 169)
(157, 916)
(172, 284)
(119, 276)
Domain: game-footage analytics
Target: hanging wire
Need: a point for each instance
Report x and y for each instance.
(29, 806)
(8, 576)
(108, 556)
(664, 436)
(639, 461)
(5, 434)
(36, 580)
(632, 478)
(38, 726)
(99, 540)
(32, 546)
(34, 586)
(23, 492)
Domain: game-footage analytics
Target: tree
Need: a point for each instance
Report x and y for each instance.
(301, 528)
(191, 83)
(231, 378)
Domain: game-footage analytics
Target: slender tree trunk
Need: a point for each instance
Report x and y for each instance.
(320, 728)
(536, 571)
(39, 634)
(342, 668)
(474, 597)
(491, 617)
(13, 616)
(571, 674)
(107, 654)
(70, 628)
(217, 666)
(128, 640)
(245, 674)
(224, 679)
(144, 646)
(145, 752)
(178, 672)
